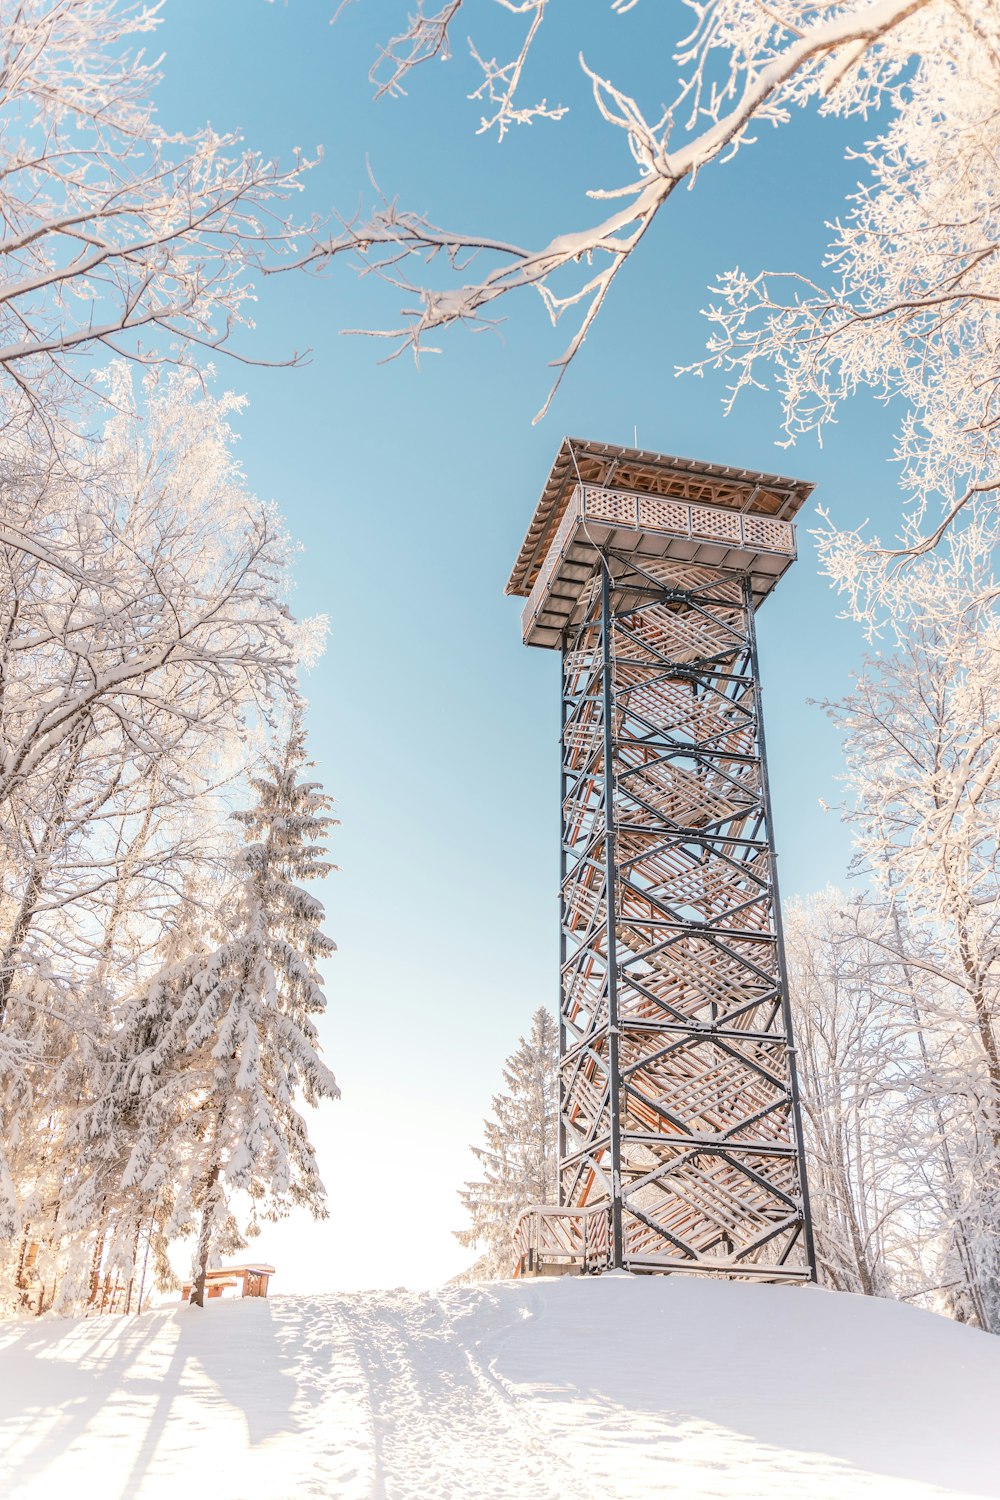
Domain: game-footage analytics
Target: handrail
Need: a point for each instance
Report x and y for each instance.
(547, 1237)
(645, 512)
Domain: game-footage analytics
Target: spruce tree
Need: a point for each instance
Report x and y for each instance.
(215, 1052)
(135, 1139)
(255, 1022)
(520, 1151)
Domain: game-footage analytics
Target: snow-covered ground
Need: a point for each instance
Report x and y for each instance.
(616, 1388)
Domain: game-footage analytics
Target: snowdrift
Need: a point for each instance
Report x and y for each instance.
(611, 1388)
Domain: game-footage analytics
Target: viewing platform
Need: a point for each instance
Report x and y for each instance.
(653, 506)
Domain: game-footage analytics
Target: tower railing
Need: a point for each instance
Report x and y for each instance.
(680, 518)
(551, 1241)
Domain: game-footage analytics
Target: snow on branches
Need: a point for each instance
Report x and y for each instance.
(230, 1040)
(519, 1156)
(922, 747)
(912, 307)
(147, 657)
(744, 64)
(117, 233)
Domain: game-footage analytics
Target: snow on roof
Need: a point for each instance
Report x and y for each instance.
(258, 1267)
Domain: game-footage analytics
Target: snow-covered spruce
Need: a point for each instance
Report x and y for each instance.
(247, 1040)
(200, 1115)
(520, 1153)
(145, 646)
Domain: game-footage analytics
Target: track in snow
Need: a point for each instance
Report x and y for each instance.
(612, 1388)
(440, 1420)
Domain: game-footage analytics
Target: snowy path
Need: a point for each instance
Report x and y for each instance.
(613, 1389)
(437, 1412)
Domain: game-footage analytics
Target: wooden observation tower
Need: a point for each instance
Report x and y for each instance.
(680, 1134)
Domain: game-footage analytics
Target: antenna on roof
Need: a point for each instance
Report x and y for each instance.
(635, 436)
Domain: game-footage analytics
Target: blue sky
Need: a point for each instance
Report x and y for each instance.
(410, 491)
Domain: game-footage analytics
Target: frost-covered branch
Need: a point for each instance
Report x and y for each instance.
(426, 37)
(117, 233)
(911, 309)
(774, 62)
(922, 743)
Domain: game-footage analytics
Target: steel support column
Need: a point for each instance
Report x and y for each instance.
(680, 1108)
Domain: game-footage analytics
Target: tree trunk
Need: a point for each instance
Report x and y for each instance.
(55, 825)
(205, 1238)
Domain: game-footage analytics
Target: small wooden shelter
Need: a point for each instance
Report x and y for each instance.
(245, 1281)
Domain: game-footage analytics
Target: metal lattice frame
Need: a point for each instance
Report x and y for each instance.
(679, 1105)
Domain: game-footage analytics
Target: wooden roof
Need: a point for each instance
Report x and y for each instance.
(613, 467)
(256, 1267)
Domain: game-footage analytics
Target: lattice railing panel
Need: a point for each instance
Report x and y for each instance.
(766, 532)
(664, 515)
(611, 505)
(716, 524)
(679, 518)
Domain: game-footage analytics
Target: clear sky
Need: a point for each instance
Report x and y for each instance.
(410, 491)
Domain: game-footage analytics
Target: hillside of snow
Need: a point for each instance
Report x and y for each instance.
(610, 1388)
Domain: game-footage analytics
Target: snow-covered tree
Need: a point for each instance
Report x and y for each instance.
(922, 741)
(844, 1037)
(177, 613)
(236, 1042)
(879, 1138)
(120, 233)
(146, 646)
(131, 698)
(520, 1153)
(147, 652)
(909, 307)
(196, 1126)
(123, 1189)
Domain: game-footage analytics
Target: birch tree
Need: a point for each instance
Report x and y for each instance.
(883, 1148)
(844, 1049)
(129, 698)
(520, 1154)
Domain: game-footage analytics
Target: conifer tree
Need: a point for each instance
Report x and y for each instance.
(214, 1054)
(260, 993)
(134, 1139)
(520, 1151)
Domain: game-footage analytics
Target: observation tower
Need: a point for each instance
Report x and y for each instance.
(680, 1142)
